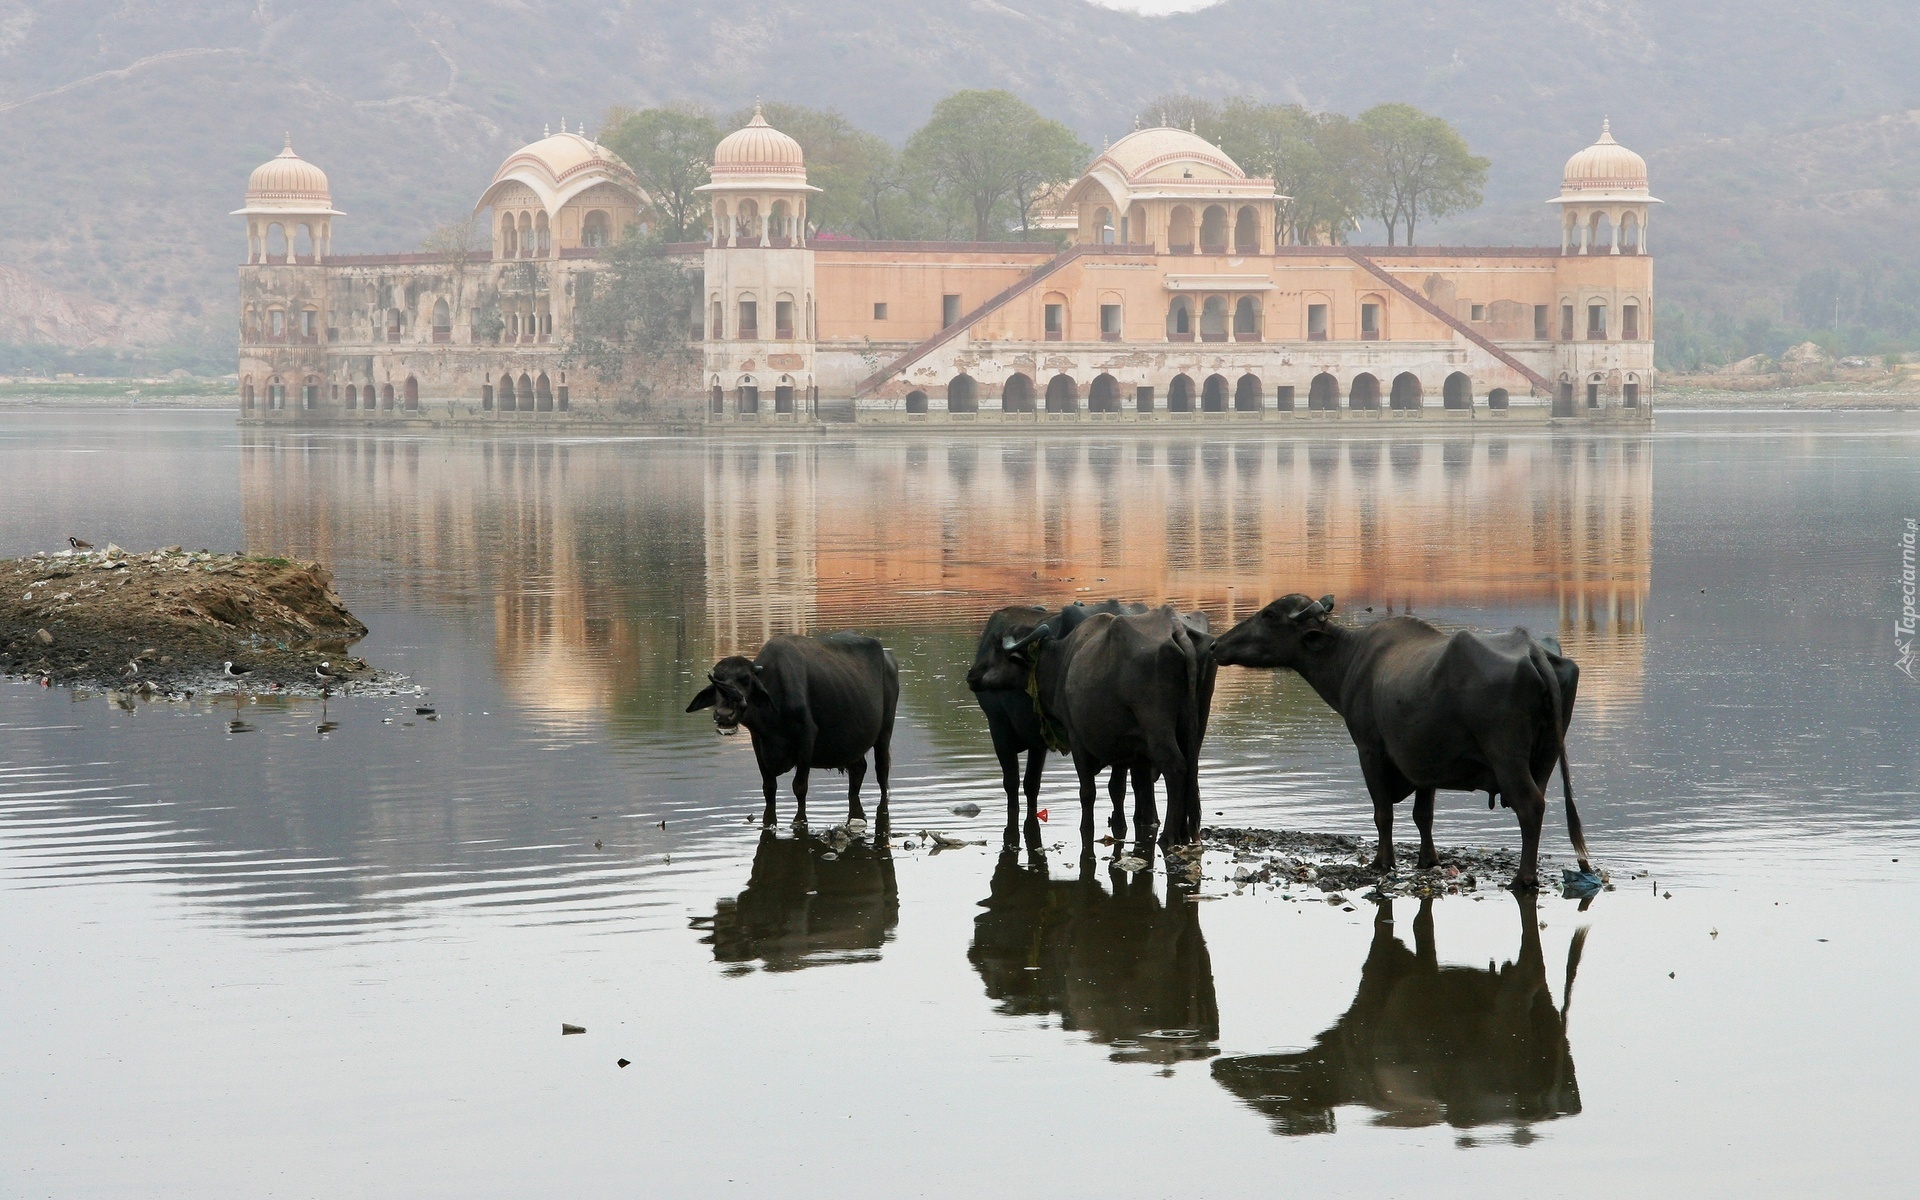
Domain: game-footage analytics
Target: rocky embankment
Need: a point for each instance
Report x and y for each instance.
(168, 622)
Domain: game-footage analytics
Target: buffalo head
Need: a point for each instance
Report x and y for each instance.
(732, 687)
(996, 666)
(1283, 634)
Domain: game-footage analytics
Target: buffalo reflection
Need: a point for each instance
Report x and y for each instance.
(1423, 1043)
(1115, 962)
(810, 901)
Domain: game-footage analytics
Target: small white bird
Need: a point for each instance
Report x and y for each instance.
(77, 544)
(133, 668)
(326, 671)
(234, 671)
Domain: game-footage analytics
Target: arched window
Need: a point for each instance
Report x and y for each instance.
(1213, 319)
(507, 402)
(778, 220)
(1246, 231)
(309, 324)
(442, 321)
(749, 327)
(542, 235)
(394, 319)
(1600, 234)
(1103, 226)
(783, 317)
(353, 397)
(1063, 395)
(1053, 316)
(509, 241)
(746, 223)
(386, 397)
(783, 395)
(543, 393)
(246, 392)
(310, 393)
(1246, 319)
(1180, 230)
(962, 394)
(1457, 392)
(411, 394)
(1406, 391)
(1213, 230)
(277, 324)
(1180, 319)
(747, 396)
(1017, 394)
(303, 240)
(276, 243)
(526, 393)
(1246, 394)
(917, 402)
(596, 230)
(1365, 392)
(1213, 394)
(1497, 399)
(1323, 393)
(1373, 318)
(1104, 395)
(526, 235)
(1180, 394)
(1630, 234)
(720, 227)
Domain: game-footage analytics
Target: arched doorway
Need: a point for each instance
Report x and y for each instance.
(1063, 395)
(1365, 392)
(1213, 394)
(1104, 395)
(1246, 231)
(1457, 392)
(246, 392)
(1213, 319)
(506, 394)
(543, 393)
(1246, 320)
(1213, 230)
(386, 397)
(1406, 391)
(1180, 394)
(410, 393)
(1497, 398)
(1323, 393)
(1180, 319)
(962, 394)
(1180, 230)
(527, 397)
(353, 397)
(1017, 395)
(1246, 394)
(783, 395)
(917, 402)
(746, 396)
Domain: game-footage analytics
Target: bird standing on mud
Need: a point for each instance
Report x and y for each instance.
(77, 544)
(234, 671)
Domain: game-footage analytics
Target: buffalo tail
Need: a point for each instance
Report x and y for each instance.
(1575, 833)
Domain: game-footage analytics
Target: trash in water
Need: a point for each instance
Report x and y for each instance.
(829, 856)
(966, 810)
(855, 825)
(566, 1029)
(621, 1062)
(1131, 862)
(1579, 885)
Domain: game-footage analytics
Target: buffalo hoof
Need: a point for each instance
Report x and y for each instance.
(1011, 840)
(1382, 865)
(1524, 885)
(1428, 862)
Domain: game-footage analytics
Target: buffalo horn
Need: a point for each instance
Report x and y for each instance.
(1326, 603)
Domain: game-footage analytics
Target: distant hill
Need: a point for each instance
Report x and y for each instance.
(130, 129)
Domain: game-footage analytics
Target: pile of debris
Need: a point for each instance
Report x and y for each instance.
(1338, 866)
(173, 622)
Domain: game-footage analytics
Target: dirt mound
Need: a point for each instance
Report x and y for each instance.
(169, 621)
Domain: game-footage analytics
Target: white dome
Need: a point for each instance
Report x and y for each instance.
(1605, 166)
(758, 151)
(288, 183)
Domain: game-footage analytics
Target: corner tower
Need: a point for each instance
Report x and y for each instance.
(760, 319)
(1604, 282)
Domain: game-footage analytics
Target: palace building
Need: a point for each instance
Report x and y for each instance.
(1173, 299)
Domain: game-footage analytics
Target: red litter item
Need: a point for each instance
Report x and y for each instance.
(1042, 814)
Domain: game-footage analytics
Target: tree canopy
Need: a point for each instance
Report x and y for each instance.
(633, 315)
(989, 154)
(1420, 166)
(670, 150)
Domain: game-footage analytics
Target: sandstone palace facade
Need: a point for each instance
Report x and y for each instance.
(1173, 300)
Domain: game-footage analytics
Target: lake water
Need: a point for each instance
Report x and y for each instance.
(277, 948)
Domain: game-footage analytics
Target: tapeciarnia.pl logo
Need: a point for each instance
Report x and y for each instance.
(1903, 628)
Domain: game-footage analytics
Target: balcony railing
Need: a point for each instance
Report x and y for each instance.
(1180, 249)
(442, 334)
(1213, 248)
(1180, 337)
(1316, 335)
(1369, 335)
(1109, 335)
(1245, 336)
(1054, 335)
(1246, 248)
(1213, 337)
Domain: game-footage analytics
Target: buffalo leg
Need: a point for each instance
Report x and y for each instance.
(1387, 788)
(770, 784)
(1117, 788)
(1423, 821)
(1089, 772)
(1008, 752)
(1036, 764)
(800, 794)
(856, 774)
(1146, 815)
(882, 767)
(1529, 806)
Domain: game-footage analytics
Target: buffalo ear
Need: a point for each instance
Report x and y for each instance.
(1326, 602)
(1314, 639)
(757, 689)
(705, 699)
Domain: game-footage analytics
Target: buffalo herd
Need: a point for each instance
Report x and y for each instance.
(1127, 689)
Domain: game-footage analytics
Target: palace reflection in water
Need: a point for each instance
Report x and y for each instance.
(608, 563)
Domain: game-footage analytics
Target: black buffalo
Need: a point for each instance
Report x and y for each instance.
(1422, 1043)
(1430, 710)
(810, 702)
(1001, 681)
(1128, 690)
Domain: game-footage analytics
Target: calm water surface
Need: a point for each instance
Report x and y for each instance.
(276, 948)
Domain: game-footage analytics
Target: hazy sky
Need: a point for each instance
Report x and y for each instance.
(1156, 6)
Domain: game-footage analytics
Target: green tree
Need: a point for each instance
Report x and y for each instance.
(1316, 161)
(633, 318)
(671, 152)
(982, 153)
(1420, 167)
(1177, 110)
